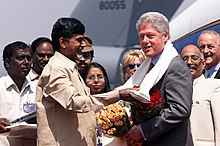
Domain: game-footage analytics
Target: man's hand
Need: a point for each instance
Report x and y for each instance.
(134, 136)
(3, 123)
(125, 94)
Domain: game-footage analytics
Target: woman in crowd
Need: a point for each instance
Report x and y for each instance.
(96, 78)
(131, 60)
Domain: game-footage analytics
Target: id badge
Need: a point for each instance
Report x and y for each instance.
(29, 107)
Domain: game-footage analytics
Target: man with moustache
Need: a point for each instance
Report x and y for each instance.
(209, 44)
(87, 54)
(42, 50)
(204, 120)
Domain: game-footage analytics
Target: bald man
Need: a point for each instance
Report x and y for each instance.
(205, 117)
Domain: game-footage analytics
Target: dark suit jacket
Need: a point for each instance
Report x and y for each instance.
(217, 76)
(169, 128)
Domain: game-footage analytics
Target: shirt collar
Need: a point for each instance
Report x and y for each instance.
(33, 75)
(154, 61)
(214, 69)
(69, 63)
(10, 83)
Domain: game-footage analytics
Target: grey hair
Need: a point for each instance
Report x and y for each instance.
(210, 32)
(158, 20)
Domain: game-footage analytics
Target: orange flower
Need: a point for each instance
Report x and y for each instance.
(113, 120)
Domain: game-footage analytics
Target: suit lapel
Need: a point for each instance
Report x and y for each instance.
(217, 76)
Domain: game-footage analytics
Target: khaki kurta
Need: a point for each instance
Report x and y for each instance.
(65, 108)
(205, 115)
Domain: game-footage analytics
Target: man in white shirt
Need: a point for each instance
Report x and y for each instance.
(17, 93)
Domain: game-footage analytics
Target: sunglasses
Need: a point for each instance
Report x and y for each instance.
(131, 66)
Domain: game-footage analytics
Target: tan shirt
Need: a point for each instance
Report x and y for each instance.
(65, 108)
(205, 115)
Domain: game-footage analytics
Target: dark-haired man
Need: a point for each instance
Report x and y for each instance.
(87, 54)
(42, 50)
(65, 108)
(17, 93)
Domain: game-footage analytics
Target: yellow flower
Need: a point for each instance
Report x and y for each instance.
(113, 120)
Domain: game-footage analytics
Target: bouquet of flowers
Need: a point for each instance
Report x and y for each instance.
(141, 112)
(113, 120)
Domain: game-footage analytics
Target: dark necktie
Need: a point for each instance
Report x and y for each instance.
(151, 66)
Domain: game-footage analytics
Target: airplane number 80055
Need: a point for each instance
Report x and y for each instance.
(113, 4)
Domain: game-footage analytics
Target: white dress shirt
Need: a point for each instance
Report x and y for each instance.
(15, 103)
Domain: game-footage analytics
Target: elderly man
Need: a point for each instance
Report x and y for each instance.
(163, 75)
(205, 117)
(209, 44)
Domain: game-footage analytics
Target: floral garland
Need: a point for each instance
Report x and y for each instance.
(141, 112)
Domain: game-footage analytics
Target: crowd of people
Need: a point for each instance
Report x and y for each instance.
(57, 79)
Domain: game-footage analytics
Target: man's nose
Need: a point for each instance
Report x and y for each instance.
(146, 39)
(205, 49)
(188, 61)
(83, 43)
(82, 58)
(27, 61)
(46, 58)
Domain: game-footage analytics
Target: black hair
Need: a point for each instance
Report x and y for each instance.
(66, 28)
(9, 49)
(97, 65)
(37, 42)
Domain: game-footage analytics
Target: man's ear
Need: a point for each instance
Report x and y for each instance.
(62, 42)
(7, 63)
(166, 36)
(203, 63)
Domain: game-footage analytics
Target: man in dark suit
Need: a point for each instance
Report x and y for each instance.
(171, 77)
(209, 44)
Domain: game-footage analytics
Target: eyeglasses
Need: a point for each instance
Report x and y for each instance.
(193, 58)
(93, 77)
(131, 66)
